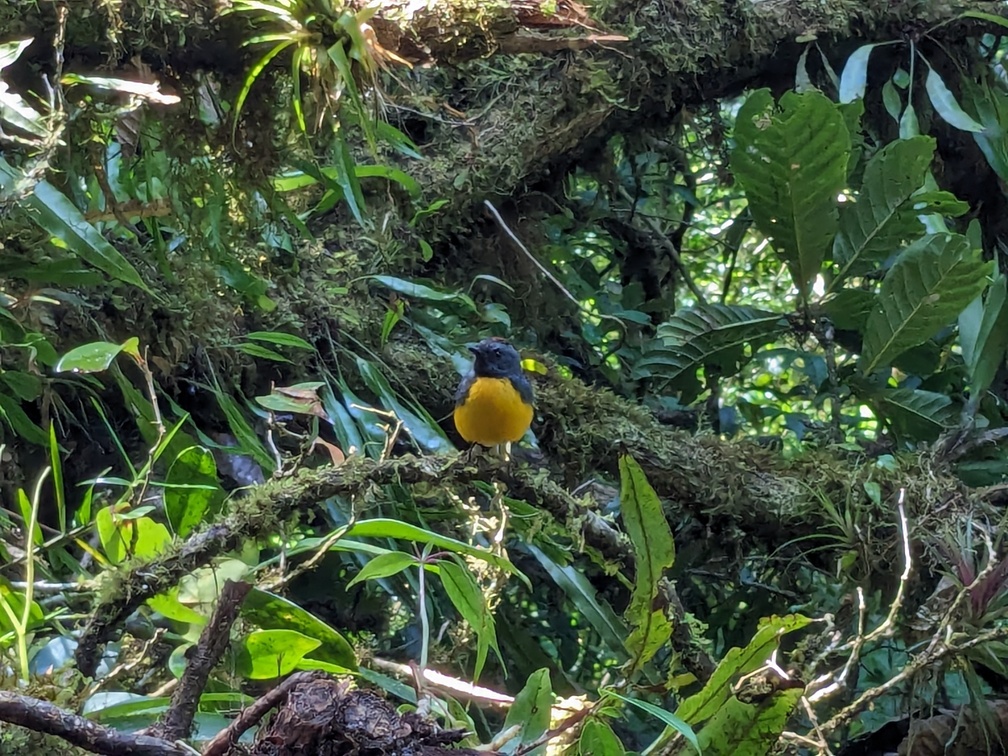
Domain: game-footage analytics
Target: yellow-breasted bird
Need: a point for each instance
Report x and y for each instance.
(493, 404)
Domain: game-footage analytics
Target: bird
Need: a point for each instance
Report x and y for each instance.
(494, 401)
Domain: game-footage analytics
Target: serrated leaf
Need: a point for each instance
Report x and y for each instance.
(792, 165)
(654, 550)
(748, 729)
(848, 309)
(983, 335)
(855, 74)
(885, 212)
(738, 661)
(915, 414)
(946, 105)
(931, 282)
(713, 334)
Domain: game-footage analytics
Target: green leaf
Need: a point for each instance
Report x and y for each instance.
(468, 600)
(983, 334)
(855, 74)
(423, 428)
(717, 690)
(20, 423)
(272, 612)
(991, 107)
(915, 414)
(248, 441)
(673, 722)
(886, 211)
(382, 566)
(57, 473)
(280, 339)
(945, 104)
(267, 654)
(713, 334)
(382, 528)
(849, 309)
(55, 214)
(192, 492)
(425, 293)
(94, 357)
(931, 282)
(583, 596)
(988, 17)
(123, 536)
(598, 739)
(748, 729)
(255, 350)
(792, 164)
(654, 551)
(909, 126)
(531, 712)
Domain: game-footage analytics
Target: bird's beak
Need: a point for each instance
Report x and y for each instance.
(473, 349)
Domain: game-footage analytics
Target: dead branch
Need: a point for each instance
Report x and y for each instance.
(250, 716)
(42, 716)
(213, 642)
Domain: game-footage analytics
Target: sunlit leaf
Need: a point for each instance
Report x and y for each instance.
(649, 532)
(191, 492)
(383, 565)
(946, 105)
(266, 654)
(531, 712)
(94, 357)
(671, 720)
(272, 612)
(792, 163)
(855, 74)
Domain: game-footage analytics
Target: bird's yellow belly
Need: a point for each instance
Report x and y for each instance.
(493, 413)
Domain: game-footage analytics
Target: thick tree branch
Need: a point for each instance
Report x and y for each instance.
(42, 716)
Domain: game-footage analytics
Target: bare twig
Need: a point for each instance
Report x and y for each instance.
(545, 271)
(42, 716)
(223, 740)
(883, 630)
(213, 641)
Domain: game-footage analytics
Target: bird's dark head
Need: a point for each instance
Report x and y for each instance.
(496, 358)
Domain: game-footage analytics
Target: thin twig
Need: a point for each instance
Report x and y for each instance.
(545, 271)
(223, 740)
(883, 630)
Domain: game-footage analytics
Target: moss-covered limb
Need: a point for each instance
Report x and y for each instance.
(42, 716)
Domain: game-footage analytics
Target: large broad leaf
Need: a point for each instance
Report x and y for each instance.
(748, 729)
(917, 415)
(983, 335)
(886, 211)
(654, 549)
(792, 164)
(848, 309)
(710, 335)
(738, 661)
(931, 282)
(59, 217)
(531, 712)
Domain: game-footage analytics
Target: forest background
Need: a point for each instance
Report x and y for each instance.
(753, 255)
